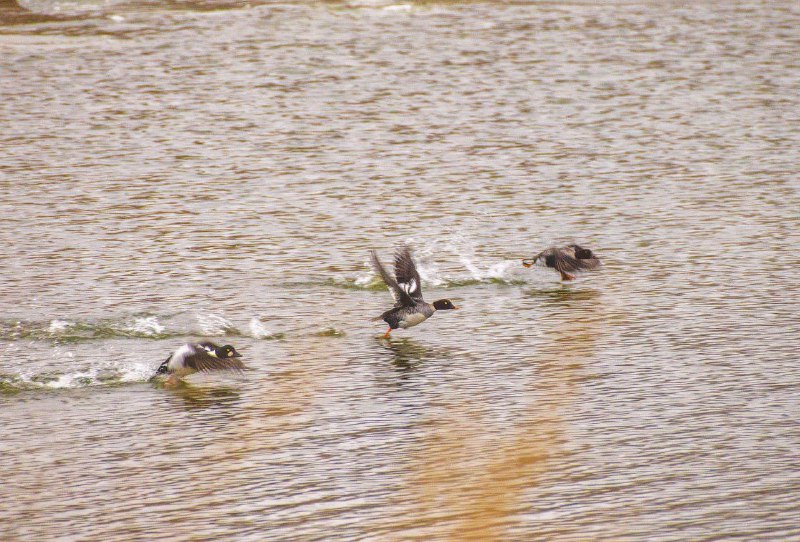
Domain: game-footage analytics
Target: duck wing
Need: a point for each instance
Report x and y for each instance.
(407, 275)
(401, 297)
(202, 361)
(585, 257)
(566, 262)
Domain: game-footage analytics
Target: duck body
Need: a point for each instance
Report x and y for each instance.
(405, 317)
(566, 260)
(406, 287)
(200, 357)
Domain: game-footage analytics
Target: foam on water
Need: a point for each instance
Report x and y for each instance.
(214, 324)
(505, 271)
(57, 326)
(260, 331)
(70, 331)
(61, 331)
(398, 7)
(108, 373)
(147, 325)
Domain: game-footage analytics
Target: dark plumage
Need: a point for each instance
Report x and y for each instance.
(406, 287)
(201, 357)
(566, 260)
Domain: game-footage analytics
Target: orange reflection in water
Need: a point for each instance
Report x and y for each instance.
(471, 485)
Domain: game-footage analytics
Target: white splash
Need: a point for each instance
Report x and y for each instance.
(427, 269)
(364, 280)
(464, 249)
(107, 371)
(147, 325)
(500, 270)
(137, 372)
(73, 380)
(258, 330)
(212, 324)
(57, 326)
(471, 267)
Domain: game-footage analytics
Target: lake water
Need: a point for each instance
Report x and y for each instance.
(199, 170)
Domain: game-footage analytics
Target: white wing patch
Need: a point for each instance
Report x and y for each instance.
(210, 350)
(409, 287)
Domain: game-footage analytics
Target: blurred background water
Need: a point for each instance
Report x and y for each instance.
(174, 171)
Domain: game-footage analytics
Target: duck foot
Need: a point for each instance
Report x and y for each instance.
(566, 276)
(388, 332)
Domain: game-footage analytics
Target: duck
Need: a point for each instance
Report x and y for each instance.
(406, 288)
(200, 357)
(566, 260)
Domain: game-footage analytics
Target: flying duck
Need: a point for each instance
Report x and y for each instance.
(406, 287)
(205, 356)
(566, 260)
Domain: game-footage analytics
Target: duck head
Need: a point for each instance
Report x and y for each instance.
(530, 262)
(444, 305)
(546, 258)
(227, 351)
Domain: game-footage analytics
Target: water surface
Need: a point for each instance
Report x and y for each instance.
(174, 172)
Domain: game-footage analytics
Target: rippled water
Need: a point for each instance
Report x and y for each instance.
(172, 173)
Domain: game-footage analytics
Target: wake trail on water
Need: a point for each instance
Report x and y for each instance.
(431, 257)
(45, 354)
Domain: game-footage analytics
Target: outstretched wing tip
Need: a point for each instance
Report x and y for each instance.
(405, 269)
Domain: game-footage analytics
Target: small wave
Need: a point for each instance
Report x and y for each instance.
(398, 7)
(66, 331)
(499, 272)
(330, 332)
(62, 332)
(148, 325)
(504, 272)
(57, 326)
(215, 325)
(260, 331)
(108, 375)
(367, 282)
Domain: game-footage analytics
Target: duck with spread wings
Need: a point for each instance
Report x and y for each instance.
(566, 260)
(200, 357)
(406, 287)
